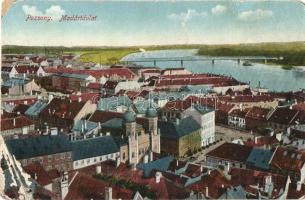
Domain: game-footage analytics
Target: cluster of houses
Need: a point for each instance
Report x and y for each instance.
(82, 131)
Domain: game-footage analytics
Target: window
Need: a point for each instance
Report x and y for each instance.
(76, 163)
(101, 158)
(88, 160)
(133, 155)
(124, 156)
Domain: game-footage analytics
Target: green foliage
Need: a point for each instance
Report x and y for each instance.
(293, 53)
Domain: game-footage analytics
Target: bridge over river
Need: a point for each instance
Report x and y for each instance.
(191, 58)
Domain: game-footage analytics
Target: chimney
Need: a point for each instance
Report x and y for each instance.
(146, 159)
(177, 121)
(85, 124)
(134, 167)
(255, 139)
(98, 169)
(151, 157)
(64, 185)
(206, 191)
(288, 130)
(108, 193)
(14, 122)
(79, 99)
(177, 163)
(82, 127)
(299, 186)
(228, 167)
(201, 168)
(118, 161)
(158, 177)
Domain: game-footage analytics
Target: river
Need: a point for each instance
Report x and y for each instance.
(270, 76)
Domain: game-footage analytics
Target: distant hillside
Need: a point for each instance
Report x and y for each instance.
(292, 52)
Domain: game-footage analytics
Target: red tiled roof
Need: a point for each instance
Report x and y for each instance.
(6, 115)
(165, 189)
(151, 71)
(262, 141)
(194, 170)
(43, 177)
(103, 116)
(123, 73)
(95, 86)
(287, 159)
(299, 106)
(300, 118)
(283, 115)
(248, 177)
(216, 183)
(42, 193)
(258, 113)
(84, 186)
(174, 178)
(238, 113)
(21, 108)
(216, 103)
(26, 69)
(231, 151)
(110, 84)
(62, 108)
(293, 193)
(193, 79)
(84, 97)
(20, 121)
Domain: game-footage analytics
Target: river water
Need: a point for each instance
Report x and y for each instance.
(270, 76)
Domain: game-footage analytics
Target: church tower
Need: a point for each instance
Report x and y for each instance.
(152, 117)
(129, 122)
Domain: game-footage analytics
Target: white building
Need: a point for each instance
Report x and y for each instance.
(206, 118)
(127, 85)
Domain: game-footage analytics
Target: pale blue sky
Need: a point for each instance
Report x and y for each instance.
(159, 22)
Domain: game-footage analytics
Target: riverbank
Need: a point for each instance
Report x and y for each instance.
(290, 54)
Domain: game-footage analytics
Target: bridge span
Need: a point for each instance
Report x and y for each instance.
(185, 59)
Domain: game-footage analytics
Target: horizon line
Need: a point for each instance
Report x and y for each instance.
(152, 45)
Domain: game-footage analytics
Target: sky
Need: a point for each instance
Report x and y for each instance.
(128, 23)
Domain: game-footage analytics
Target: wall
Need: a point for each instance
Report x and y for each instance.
(57, 161)
(78, 164)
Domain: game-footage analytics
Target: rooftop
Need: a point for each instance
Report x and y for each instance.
(179, 129)
(93, 147)
(231, 151)
(38, 146)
